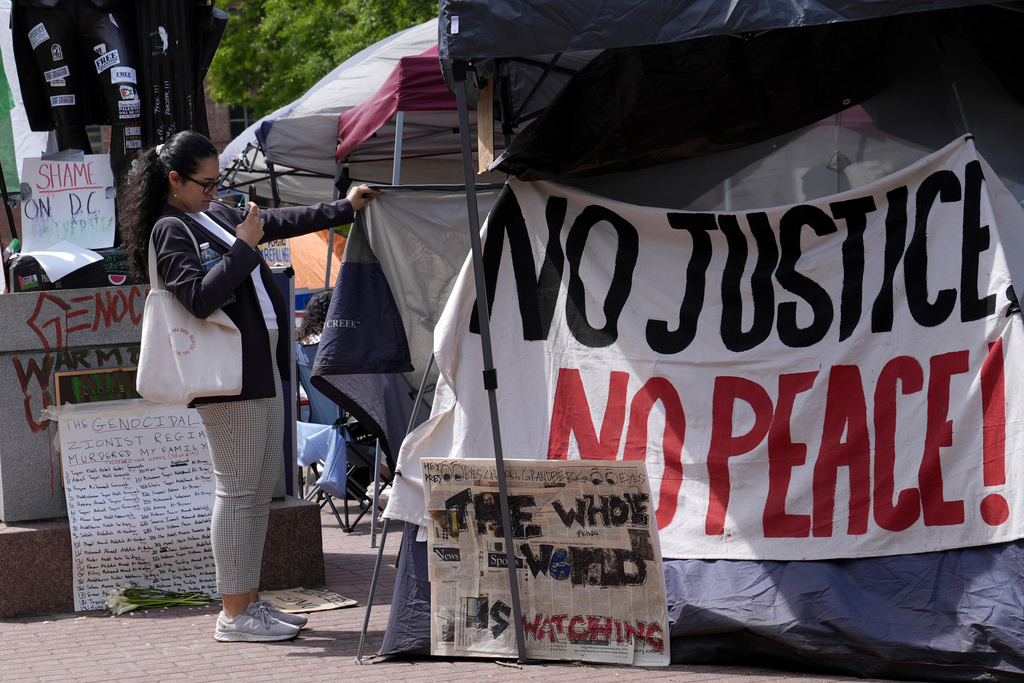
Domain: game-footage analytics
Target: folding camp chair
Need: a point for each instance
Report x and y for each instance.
(337, 460)
(322, 411)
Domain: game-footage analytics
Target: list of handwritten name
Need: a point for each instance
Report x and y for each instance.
(139, 487)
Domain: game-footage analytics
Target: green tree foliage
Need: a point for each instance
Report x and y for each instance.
(275, 50)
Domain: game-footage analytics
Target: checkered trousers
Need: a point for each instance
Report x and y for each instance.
(246, 447)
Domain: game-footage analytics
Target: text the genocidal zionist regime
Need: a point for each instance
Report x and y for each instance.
(139, 487)
(804, 382)
(586, 553)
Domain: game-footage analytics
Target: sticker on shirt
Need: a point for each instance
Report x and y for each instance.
(158, 42)
(57, 53)
(128, 92)
(132, 109)
(58, 83)
(122, 74)
(100, 49)
(37, 36)
(133, 130)
(62, 101)
(107, 60)
(58, 74)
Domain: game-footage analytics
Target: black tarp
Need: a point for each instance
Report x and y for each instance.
(636, 107)
(474, 31)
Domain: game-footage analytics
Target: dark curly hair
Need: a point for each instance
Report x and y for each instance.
(314, 317)
(143, 192)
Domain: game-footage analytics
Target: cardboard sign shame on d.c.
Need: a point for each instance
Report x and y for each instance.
(69, 200)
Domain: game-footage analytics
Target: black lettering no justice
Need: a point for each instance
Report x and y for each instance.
(777, 260)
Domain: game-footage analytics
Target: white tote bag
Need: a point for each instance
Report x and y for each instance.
(184, 357)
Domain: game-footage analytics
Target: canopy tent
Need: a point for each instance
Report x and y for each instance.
(297, 141)
(407, 128)
(386, 113)
(954, 76)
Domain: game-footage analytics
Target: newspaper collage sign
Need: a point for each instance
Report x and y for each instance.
(839, 378)
(587, 560)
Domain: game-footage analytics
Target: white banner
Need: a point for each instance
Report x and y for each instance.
(832, 379)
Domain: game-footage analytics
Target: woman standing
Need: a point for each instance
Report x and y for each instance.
(166, 196)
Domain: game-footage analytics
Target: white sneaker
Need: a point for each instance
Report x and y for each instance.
(255, 624)
(286, 617)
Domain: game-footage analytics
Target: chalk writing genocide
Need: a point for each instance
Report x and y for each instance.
(58, 322)
(777, 260)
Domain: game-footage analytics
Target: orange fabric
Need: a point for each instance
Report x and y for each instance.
(309, 259)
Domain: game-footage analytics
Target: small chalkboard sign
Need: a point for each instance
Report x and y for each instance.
(90, 386)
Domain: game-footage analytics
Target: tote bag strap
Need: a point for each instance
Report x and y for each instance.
(155, 281)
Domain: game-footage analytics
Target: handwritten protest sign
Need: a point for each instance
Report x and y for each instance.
(139, 487)
(587, 560)
(69, 200)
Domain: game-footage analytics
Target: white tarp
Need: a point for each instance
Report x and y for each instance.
(838, 377)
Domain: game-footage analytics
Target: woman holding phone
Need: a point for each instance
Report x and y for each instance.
(167, 195)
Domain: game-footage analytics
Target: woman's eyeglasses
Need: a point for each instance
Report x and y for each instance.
(207, 187)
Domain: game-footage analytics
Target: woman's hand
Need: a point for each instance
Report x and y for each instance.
(250, 230)
(361, 196)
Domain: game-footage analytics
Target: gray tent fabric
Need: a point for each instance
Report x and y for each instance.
(933, 616)
(401, 260)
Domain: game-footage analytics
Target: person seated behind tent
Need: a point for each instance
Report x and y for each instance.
(313, 319)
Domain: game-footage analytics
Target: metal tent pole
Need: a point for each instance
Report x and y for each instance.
(384, 529)
(339, 177)
(373, 589)
(396, 169)
(490, 377)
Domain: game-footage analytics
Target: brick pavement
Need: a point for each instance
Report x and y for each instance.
(176, 644)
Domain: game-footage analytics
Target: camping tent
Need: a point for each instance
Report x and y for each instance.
(942, 614)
